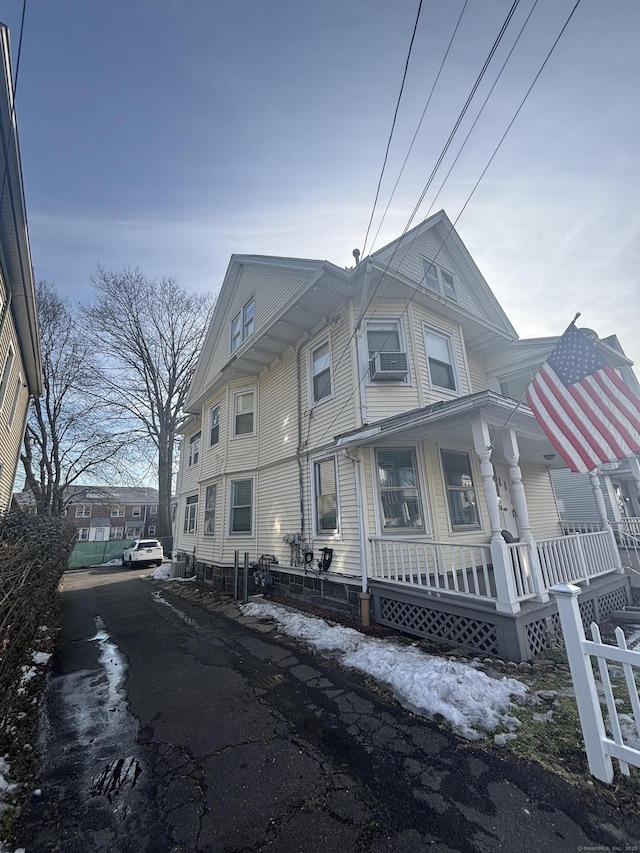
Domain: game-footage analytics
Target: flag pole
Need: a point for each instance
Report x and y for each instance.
(521, 400)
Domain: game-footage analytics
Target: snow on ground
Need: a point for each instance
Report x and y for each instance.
(472, 702)
(163, 573)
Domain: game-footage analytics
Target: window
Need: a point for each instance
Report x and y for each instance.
(115, 532)
(136, 511)
(5, 374)
(386, 351)
(399, 494)
(153, 509)
(516, 384)
(131, 532)
(194, 450)
(242, 326)
(241, 520)
(117, 512)
(439, 280)
(191, 514)
(243, 406)
(152, 530)
(461, 493)
(440, 359)
(83, 511)
(14, 401)
(383, 337)
(214, 425)
(321, 372)
(83, 534)
(326, 496)
(210, 510)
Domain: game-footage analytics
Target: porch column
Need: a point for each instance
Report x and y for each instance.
(604, 521)
(634, 465)
(502, 573)
(512, 454)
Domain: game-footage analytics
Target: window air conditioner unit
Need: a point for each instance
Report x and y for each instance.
(389, 366)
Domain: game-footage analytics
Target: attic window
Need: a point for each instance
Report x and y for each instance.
(439, 280)
(242, 325)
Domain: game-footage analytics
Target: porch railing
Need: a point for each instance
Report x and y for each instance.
(577, 557)
(457, 569)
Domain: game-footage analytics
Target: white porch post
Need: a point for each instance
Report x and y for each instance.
(634, 465)
(604, 521)
(512, 454)
(503, 575)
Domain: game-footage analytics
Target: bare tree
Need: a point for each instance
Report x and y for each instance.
(149, 334)
(70, 433)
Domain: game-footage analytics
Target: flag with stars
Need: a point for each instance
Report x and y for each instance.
(586, 410)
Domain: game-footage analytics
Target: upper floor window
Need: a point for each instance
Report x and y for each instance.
(442, 372)
(214, 425)
(515, 384)
(243, 413)
(321, 372)
(117, 512)
(387, 354)
(5, 374)
(439, 280)
(399, 493)
(83, 511)
(153, 509)
(242, 325)
(136, 511)
(326, 496)
(194, 450)
(14, 401)
(461, 492)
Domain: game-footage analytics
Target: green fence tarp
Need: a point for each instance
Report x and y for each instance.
(98, 553)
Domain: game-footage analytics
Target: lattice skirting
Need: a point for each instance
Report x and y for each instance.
(516, 637)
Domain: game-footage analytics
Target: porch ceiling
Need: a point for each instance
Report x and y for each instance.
(451, 423)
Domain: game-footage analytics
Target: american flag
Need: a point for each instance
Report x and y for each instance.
(586, 410)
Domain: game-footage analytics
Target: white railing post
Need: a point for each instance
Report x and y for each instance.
(584, 683)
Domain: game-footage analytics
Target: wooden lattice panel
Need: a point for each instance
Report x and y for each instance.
(437, 625)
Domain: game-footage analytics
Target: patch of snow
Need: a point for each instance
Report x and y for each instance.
(471, 701)
(40, 658)
(162, 573)
(629, 730)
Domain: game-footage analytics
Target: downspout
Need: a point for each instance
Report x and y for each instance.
(361, 379)
(365, 597)
(299, 448)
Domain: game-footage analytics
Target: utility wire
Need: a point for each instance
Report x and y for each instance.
(469, 197)
(415, 135)
(393, 124)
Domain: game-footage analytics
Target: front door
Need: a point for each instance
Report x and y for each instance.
(505, 500)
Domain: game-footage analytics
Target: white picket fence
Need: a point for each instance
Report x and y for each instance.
(600, 748)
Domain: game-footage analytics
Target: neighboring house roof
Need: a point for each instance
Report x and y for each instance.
(113, 494)
(15, 252)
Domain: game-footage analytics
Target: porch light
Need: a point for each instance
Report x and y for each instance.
(549, 456)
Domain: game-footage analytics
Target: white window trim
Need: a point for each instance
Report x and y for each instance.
(117, 512)
(396, 322)
(189, 502)
(450, 340)
(194, 448)
(423, 491)
(241, 317)
(242, 534)
(136, 511)
(83, 514)
(152, 530)
(6, 372)
(320, 534)
(216, 505)
(212, 409)
(313, 348)
(461, 528)
(82, 538)
(237, 394)
(439, 270)
(14, 402)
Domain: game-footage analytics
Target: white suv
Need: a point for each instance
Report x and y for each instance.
(143, 552)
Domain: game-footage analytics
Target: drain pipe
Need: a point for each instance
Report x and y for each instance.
(365, 597)
(299, 450)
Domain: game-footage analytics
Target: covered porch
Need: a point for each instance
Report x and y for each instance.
(480, 590)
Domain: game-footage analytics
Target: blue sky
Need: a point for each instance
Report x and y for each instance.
(169, 134)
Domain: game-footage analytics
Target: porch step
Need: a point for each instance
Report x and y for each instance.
(628, 616)
(633, 608)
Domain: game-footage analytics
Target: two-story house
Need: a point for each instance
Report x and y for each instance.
(20, 363)
(347, 422)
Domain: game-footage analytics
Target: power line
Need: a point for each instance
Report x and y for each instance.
(456, 220)
(393, 124)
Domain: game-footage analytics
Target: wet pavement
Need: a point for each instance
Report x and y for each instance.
(173, 723)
